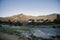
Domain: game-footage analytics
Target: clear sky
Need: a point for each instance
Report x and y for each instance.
(29, 7)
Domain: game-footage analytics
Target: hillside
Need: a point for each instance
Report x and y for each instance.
(24, 18)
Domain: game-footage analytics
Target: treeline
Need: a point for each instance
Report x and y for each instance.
(17, 23)
(46, 22)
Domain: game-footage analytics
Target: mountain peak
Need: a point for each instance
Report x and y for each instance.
(21, 14)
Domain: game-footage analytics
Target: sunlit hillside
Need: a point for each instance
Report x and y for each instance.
(23, 18)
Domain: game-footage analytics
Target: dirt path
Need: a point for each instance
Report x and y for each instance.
(5, 36)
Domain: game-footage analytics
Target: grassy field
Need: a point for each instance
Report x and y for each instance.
(10, 33)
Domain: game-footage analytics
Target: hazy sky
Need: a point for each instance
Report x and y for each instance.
(29, 7)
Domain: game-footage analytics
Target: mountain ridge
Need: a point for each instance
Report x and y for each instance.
(23, 17)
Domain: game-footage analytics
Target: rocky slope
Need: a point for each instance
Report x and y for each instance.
(23, 18)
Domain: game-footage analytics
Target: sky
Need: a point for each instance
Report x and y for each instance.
(29, 7)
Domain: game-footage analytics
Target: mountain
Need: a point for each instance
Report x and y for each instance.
(19, 17)
(25, 18)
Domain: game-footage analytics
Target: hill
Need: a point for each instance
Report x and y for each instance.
(24, 18)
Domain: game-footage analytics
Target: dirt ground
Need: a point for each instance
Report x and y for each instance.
(5, 36)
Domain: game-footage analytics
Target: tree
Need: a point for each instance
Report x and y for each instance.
(31, 22)
(9, 22)
(17, 23)
(57, 20)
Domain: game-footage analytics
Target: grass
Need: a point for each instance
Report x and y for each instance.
(25, 29)
(13, 31)
(9, 31)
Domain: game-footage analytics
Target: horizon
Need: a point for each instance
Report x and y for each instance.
(29, 7)
(30, 15)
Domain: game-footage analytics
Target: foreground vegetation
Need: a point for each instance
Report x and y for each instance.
(13, 31)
